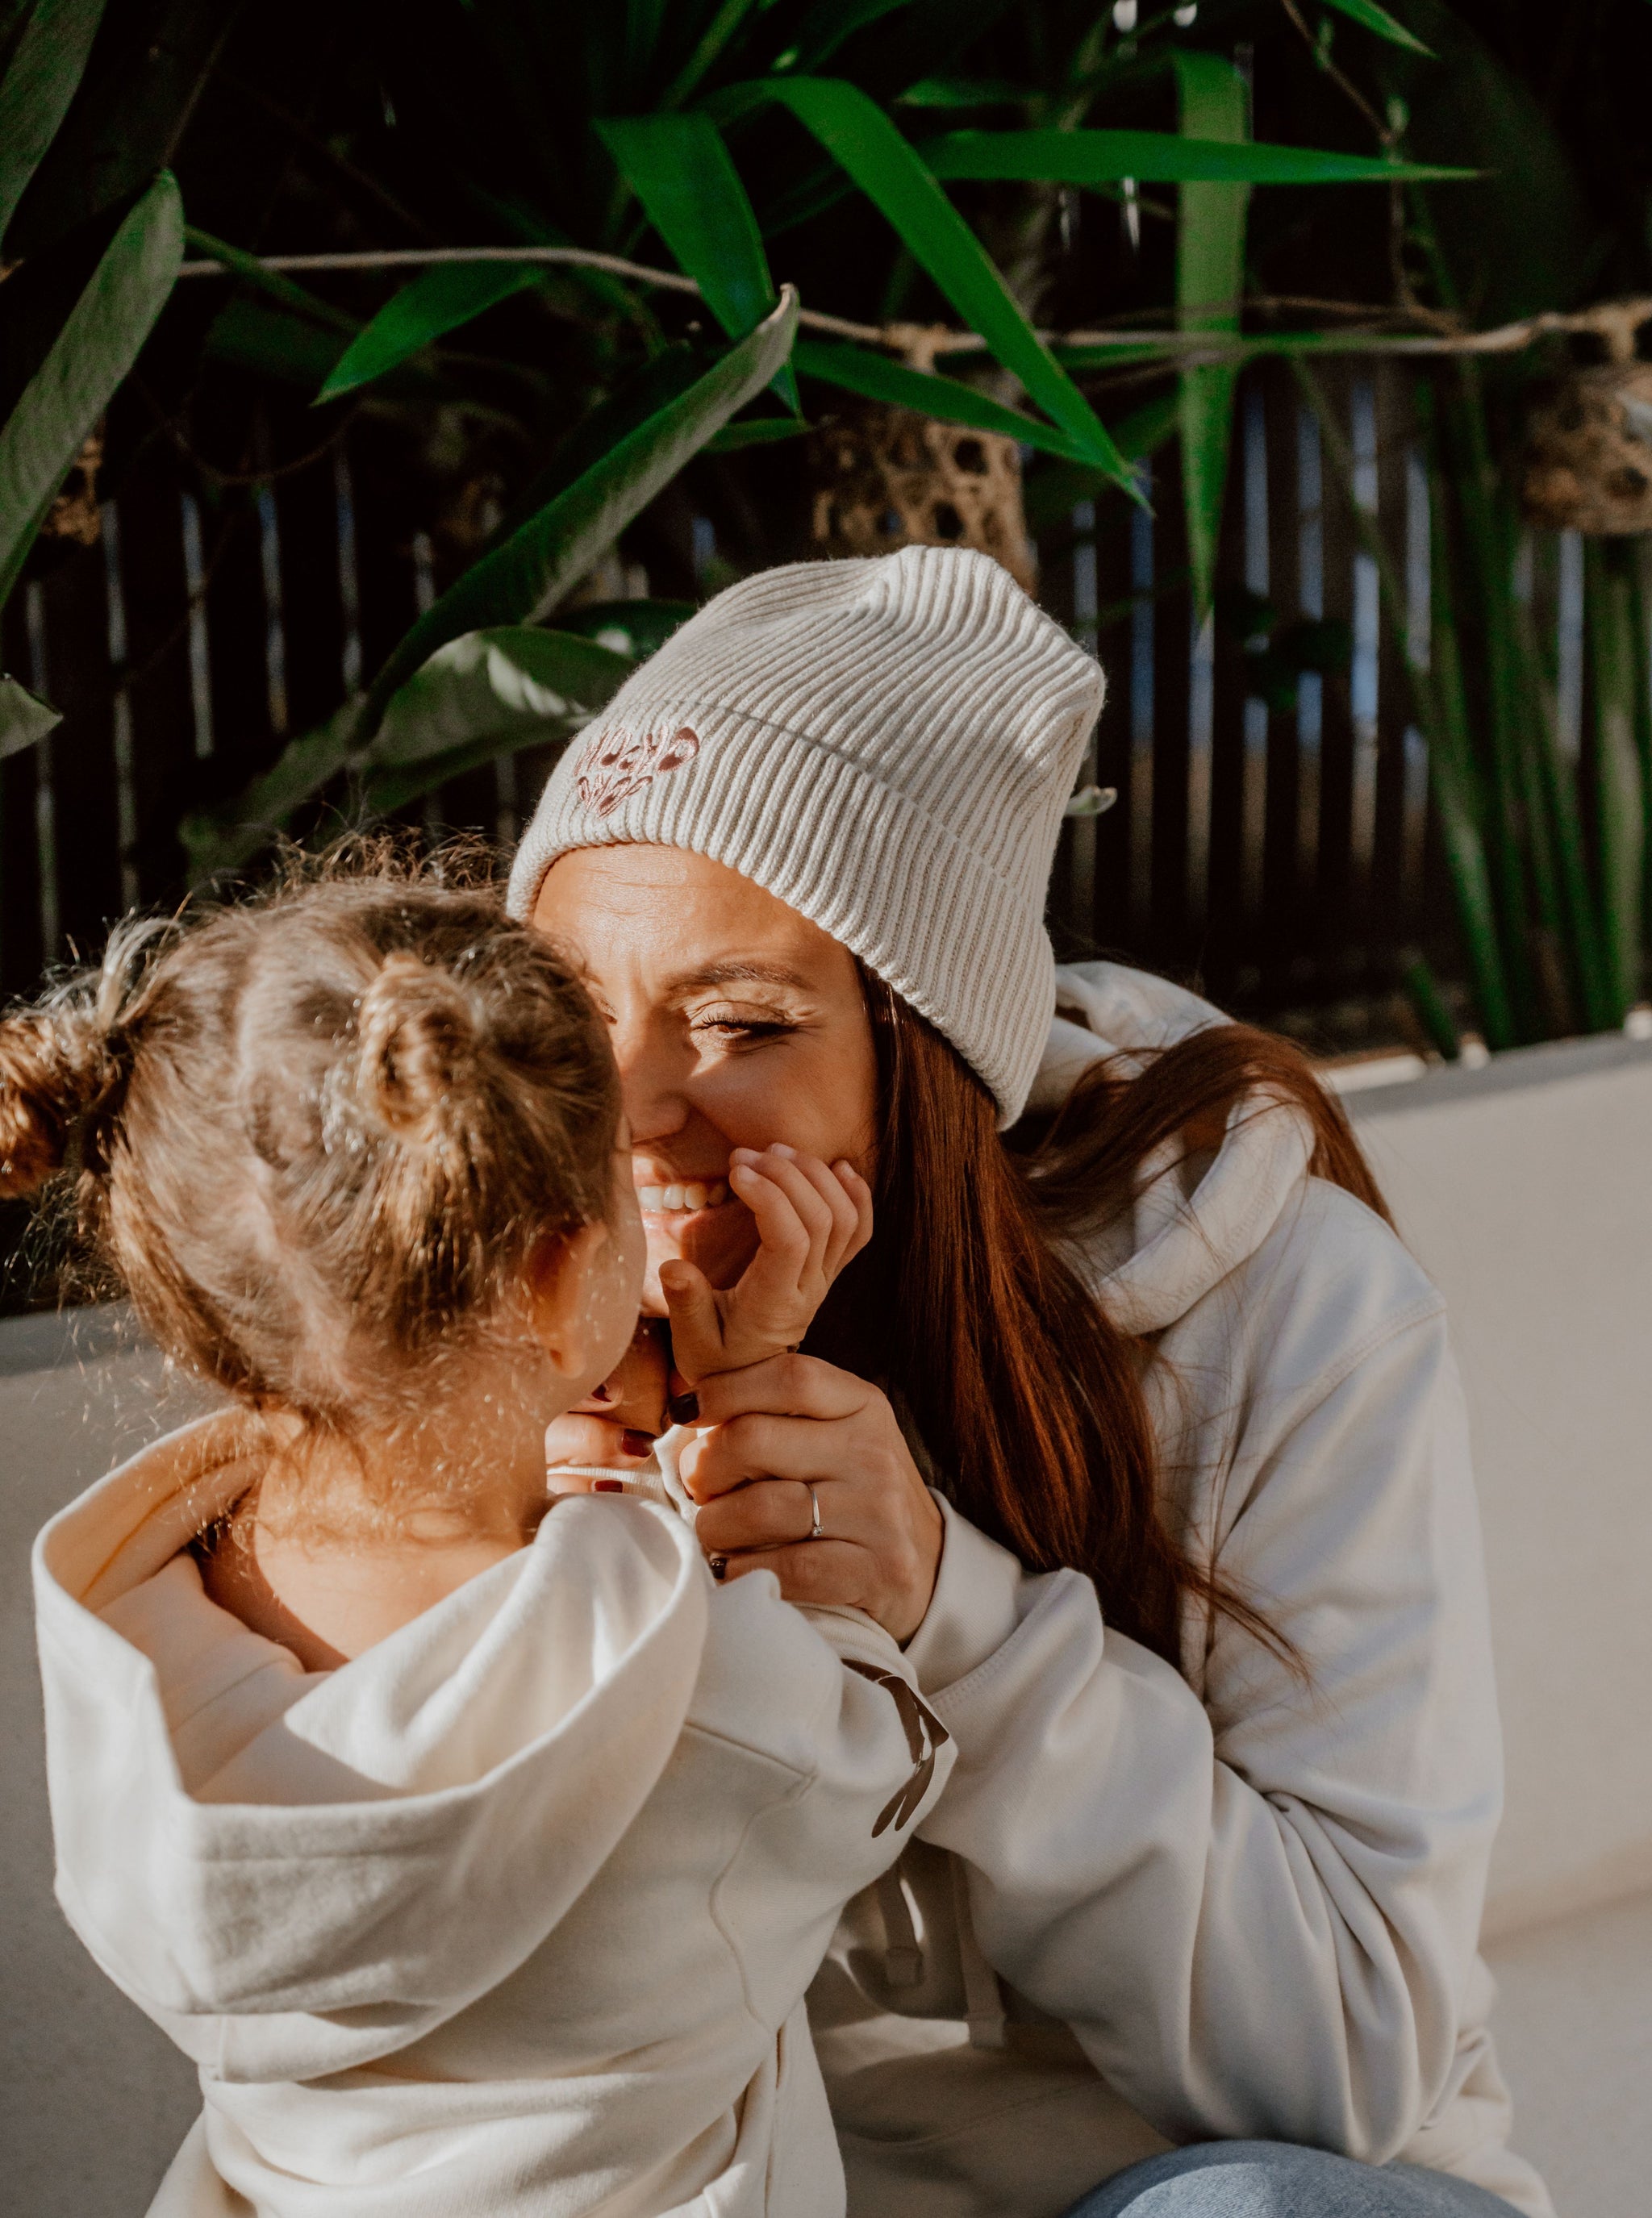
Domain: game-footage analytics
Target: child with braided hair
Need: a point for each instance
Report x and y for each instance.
(478, 1848)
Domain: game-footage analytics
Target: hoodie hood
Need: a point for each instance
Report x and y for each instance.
(297, 1874)
(1196, 1219)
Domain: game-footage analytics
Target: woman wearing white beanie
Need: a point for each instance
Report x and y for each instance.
(1136, 1425)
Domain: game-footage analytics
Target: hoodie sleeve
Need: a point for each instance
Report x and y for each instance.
(826, 1693)
(1257, 1910)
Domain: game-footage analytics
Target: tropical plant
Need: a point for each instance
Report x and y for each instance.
(588, 246)
(1544, 830)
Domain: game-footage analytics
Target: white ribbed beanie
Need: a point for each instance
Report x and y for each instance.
(887, 746)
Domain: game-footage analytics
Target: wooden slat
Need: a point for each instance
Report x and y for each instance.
(1276, 926)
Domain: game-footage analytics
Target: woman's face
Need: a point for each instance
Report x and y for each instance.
(734, 1022)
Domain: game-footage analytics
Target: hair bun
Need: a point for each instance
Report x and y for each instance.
(55, 1065)
(418, 1043)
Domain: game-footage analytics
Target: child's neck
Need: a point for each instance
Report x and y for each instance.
(351, 1541)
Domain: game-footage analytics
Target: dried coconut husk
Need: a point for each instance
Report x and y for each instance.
(1589, 461)
(885, 479)
(75, 514)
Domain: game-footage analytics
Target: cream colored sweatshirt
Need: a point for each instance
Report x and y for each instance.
(510, 1917)
(1154, 1907)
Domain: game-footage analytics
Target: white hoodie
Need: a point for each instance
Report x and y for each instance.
(511, 1915)
(1155, 1907)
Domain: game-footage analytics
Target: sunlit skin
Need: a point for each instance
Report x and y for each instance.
(329, 1598)
(734, 1021)
(736, 1024)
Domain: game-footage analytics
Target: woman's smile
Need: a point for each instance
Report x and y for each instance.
(734, 1022)
(698, 1219)
(683, 1198)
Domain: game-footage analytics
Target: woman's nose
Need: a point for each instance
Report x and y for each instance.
(656, 1106)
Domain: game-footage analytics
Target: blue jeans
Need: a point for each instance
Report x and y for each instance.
(1276, 2179)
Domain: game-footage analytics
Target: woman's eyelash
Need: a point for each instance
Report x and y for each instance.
(749, 1027)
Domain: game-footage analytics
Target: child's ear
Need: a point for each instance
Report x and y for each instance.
(560, 1310)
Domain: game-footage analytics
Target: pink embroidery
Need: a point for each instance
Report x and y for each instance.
(613, 765)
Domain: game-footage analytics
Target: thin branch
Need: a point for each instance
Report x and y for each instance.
(1614, 321)
(1343, 82)
(1388, 131)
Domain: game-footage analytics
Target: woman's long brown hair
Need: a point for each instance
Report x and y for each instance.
(1028, 1400)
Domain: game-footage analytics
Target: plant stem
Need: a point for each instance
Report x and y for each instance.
(1429, 1004)
(1457, 793)
(1542, 718)
(1622, 804)
(1436, 694)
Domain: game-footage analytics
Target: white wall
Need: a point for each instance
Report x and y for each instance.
(1525, 1189)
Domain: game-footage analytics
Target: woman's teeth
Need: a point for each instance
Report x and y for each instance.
(660, 1200)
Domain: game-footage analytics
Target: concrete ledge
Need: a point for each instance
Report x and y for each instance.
(1524, 1187)
(45, 1339)
(1552, 1063)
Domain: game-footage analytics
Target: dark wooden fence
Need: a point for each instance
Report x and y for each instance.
(1280, 854)
(1283, 856)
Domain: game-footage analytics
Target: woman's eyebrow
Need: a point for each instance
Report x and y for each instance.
(738, 972)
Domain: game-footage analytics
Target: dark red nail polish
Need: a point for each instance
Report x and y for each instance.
(683, 1409)
(608, 1486)
(719, 1566)
(633, 1442)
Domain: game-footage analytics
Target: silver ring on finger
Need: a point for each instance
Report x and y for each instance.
(814, 1532)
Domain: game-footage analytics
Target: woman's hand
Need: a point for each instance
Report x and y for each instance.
(775, 1429)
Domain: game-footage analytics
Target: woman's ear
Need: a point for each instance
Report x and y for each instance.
(562, 1316)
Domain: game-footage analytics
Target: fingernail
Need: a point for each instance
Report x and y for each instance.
(719, 1566)
(601, 1394)
(636, 1443)
(608, 1486)
(779, 1148)
(683, 1408)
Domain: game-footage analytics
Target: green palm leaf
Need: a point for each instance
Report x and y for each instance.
(679, 168)
(545, 557)
(25, 719)
(1156, 158)
(859, 137)
(482, 696)
(47, 64)
(452, 693)
(856, 369)
(1051, 492)
(1620, 802)
(1367, 12)
(275, 284)
(439, 300)
(92, 354)
(488, 685)
(1209, 280)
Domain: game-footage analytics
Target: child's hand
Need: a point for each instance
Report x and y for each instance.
(615, 1426)
(811, 1221)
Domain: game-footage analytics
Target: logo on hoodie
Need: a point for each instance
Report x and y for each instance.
(612, 765)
